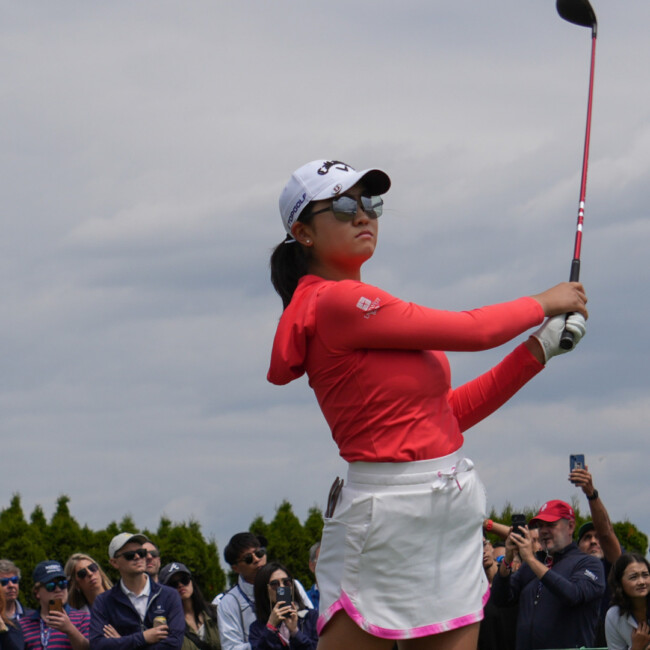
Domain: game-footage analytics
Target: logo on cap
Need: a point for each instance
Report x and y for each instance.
(328, 164)
(292, 214)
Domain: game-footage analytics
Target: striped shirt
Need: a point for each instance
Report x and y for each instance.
(38, 636)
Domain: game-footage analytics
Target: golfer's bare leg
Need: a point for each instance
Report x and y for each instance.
(464, 638)
(342, 633)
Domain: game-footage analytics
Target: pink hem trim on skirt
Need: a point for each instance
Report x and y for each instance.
(344, 603)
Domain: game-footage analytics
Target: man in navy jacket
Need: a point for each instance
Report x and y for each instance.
(137, 612)
(558, 591)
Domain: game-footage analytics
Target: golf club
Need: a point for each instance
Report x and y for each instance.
(580, 12)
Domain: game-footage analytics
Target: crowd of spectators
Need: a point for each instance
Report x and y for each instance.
(546, 591)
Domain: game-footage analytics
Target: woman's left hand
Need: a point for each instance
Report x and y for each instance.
(291, 619)
(641, 636)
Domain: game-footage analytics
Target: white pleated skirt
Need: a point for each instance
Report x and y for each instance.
(402, 553)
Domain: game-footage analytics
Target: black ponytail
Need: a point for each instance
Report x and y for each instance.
(289, 262)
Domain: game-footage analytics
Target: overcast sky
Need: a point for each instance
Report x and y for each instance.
(144, 147)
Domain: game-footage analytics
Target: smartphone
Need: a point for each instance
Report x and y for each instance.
(518, 520)
(577, 461)
(284, 595)
(55, 605)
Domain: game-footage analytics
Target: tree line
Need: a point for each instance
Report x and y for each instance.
(28, 542)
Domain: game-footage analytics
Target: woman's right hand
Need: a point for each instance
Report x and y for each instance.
(279, 613)
(563, 298)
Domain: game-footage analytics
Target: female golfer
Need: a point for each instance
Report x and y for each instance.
(627, 624)
(401, 551)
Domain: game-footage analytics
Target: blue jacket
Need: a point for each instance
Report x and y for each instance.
(262, 638)
(113, 607)
(561, 609)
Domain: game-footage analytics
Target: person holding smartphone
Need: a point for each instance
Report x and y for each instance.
(283, 620)
(54, 625)
(400, 555)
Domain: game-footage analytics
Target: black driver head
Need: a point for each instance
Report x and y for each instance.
(578, 12)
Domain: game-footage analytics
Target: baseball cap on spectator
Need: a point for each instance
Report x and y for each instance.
(170, 569)
(587, 527)
(47, 571)
(122, 539)
(553, 511)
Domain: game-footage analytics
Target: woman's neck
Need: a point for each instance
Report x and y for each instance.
(91, 595)
(640, 609)
(335, 272)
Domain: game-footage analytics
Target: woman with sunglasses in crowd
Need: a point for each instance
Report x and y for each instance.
(401, 550)
(281, 625)
(201, 629)
(86, 580)
(54, 625)
(627, 624)
(11, 636)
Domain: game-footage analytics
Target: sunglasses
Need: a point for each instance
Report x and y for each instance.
(345, 207)
(130, 555)
(153, 553)
(181, 580)
(258, 553)
(91, 568)
(285, 582)
(5, 581)
(61, 583)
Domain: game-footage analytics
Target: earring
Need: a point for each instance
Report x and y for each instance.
(307, 241)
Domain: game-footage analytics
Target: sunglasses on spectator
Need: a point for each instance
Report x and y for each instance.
(154, 553)
(248, 558)
(183, 579)
(91, 568)
(5, 581)
(130, 555)
(61, 583)
(345, 207)
(285, 582)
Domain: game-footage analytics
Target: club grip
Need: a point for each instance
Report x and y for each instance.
(566, 339)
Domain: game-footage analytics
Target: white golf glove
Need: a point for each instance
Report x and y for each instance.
(550, 332)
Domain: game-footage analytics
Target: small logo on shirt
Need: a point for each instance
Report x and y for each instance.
(369, 306)
(591, 574)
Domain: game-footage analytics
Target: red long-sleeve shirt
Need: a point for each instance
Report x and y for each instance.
(375, 365)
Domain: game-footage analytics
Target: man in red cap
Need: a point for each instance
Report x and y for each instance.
(558, 590)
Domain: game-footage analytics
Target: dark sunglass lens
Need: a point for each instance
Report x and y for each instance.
(372, 206)
(287, 582)
(142, 552)
(248, 558)
(153, 553)
(274, 584)
(344, 208)
(81, 574)
(260, 552)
